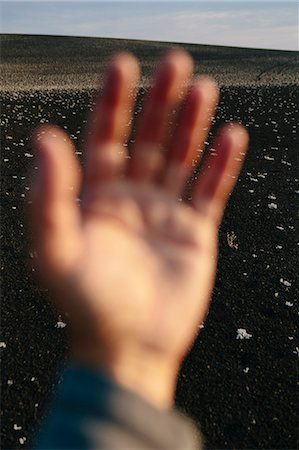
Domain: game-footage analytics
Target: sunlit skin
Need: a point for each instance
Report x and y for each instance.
(132, 266)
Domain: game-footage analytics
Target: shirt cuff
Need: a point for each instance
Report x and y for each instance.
(91, 411)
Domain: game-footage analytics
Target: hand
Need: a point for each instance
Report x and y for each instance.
(134, 267)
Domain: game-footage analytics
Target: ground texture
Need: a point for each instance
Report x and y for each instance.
(239, 380)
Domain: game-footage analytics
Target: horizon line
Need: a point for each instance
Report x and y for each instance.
(152, 40)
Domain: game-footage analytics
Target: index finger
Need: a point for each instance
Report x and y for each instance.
(110, 121)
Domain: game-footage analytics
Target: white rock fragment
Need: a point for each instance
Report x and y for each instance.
(246, 370)
(272, 196)
(28, 155)
(10, 382)
(242, 334)
(296, 351)
(268, 158)
(286, 162)
(279, 227)
(16, 427)
(60, 324)
(2, 345)
(289, 304)
(22, 440)
(272, 206)
(285, 282)
(33, 254)
(279, 247)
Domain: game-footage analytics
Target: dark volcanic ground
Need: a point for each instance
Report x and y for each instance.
(239, 380)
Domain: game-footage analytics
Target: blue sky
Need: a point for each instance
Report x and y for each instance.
(268, 24)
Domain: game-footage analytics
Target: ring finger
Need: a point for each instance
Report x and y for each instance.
(189, 139)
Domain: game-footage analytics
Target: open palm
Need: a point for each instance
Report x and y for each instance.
(133, 266)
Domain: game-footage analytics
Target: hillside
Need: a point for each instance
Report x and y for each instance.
(74, 63)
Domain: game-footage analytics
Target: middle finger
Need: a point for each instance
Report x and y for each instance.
(170, 86)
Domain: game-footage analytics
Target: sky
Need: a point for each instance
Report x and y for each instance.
(258, 24)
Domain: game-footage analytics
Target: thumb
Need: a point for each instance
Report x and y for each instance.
(54, 212)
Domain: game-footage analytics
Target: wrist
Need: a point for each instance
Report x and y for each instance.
(151, 376)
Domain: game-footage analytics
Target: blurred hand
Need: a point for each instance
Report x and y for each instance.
(133, 266)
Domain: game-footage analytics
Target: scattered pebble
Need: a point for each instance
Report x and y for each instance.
(286, 162)
(232, 240)
(272, 196)
(242, 334)
(60, 324)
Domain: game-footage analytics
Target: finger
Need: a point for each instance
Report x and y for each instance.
(220, 172)
(110, 121)
(55, 213)
(191, 133)
(169, 87)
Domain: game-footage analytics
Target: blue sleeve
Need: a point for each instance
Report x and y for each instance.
(90, 411)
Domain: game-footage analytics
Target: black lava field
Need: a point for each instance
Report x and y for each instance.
(239, 380)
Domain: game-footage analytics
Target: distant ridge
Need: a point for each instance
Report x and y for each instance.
(40, 62)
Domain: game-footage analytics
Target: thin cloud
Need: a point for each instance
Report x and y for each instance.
(259, 25)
